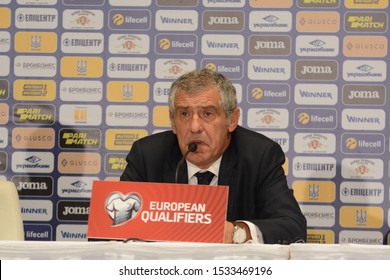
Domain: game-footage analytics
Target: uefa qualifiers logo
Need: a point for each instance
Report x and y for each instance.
(122, 208)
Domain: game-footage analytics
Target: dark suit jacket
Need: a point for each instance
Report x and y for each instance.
(251, 167)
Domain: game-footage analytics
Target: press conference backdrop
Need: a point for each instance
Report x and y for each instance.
(81, 80)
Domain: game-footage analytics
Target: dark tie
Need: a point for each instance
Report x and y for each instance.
(204, 178)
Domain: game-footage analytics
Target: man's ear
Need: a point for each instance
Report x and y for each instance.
(234, 120)
(172, 123)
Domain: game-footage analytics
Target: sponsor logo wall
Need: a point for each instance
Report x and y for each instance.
(81, 80)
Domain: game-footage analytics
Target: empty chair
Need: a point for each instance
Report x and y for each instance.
(11, 223)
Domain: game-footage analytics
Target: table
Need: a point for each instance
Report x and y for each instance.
(112, 250)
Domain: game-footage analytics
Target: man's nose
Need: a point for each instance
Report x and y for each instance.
(196, 124)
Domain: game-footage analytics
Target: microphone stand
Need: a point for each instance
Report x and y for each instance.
(191, 148)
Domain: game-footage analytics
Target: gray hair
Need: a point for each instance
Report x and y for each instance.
(199, 80)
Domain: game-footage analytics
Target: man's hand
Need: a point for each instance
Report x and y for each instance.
(228, 232)
(229, 226)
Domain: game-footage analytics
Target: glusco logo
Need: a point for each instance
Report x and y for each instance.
(164, 44)
(304, 118)
(351, 143)
(257, 93)
(118, 19)
(122, 208)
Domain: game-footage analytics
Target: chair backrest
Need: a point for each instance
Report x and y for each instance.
(11, 222)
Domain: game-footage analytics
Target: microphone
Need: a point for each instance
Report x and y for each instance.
(191, 148)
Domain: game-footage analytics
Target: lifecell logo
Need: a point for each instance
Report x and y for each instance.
(4, 113)
(115, 163)
(36, 42)
(315, 118)
(35, 90)
(314, 191)
(79, 163)
(80, 138)
(161, 116)
(33, 138)
(268, 118)
(363, 143)
(271, 3)
(123, 91)
(316, 236)
(268, 93)
(82, 66)
(365, 46)
(123, 139)
(5, 17)
(34, 114)
(231, 68)
(319, 22)
(128, 43)
(129, 19)
(176, 44)
(361, 217)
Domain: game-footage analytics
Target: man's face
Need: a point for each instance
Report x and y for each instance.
(200, 118)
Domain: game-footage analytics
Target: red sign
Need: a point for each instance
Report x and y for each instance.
(157, 211)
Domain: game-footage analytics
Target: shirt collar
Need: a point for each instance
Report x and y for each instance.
(192, 169)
